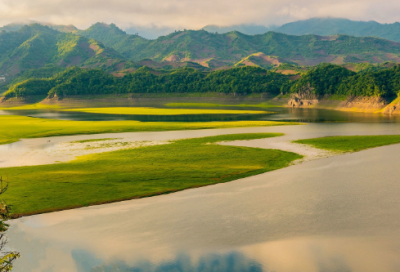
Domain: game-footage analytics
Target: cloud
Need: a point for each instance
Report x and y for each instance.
(193, 14)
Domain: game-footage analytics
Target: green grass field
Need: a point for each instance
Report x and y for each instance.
(14, 127)
(350, 143)
(160, 111)
(211, 105)
(136, 173)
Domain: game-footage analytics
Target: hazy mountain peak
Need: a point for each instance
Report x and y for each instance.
(249, 29)
(327, 26)
(18, 25)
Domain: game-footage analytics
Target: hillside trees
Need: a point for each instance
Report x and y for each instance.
(77, 81)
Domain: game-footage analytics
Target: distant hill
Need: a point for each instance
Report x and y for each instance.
(17, 26)
(245, 29)
(36, 46)
(219, 50)
(333, 26)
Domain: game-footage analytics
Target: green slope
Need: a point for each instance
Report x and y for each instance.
(17, 26)
(35, 46)
(216, 50)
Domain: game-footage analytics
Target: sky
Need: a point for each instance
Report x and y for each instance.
(193, 14)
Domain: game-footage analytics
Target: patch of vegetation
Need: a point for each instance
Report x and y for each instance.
(7, 257)
(14, 128)
(212, 105)
(140, 172)
(350, 143)
(160, 111)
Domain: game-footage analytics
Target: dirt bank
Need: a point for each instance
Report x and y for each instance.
(355, 104)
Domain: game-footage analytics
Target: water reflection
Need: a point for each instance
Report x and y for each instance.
(230, 262)
(280, 114)
(81, 116)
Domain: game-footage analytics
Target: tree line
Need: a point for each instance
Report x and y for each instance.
(322, 80)
(78, 81)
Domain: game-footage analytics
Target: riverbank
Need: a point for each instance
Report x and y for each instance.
(210, 100)
(376, 105)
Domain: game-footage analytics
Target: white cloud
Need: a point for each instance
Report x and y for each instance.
(193, 13)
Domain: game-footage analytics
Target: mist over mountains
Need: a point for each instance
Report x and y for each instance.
(316, 26)
(249, 29)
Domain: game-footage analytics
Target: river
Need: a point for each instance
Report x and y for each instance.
(340, 213)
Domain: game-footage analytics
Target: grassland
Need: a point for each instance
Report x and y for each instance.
(14, 127)
(211, 105)
(136, 173)
(350, 143)
(160, 111)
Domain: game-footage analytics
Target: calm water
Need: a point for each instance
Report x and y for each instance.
(336, 214)
(280, 114)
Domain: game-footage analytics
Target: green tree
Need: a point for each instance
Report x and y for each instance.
(7, 258)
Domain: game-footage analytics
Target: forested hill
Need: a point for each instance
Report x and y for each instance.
(77, 81)
(216, 50)
(326, 80)
(35, 46)
(321, 82)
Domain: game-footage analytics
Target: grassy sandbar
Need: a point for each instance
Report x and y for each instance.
(161, 111)
(212, 105)
(13, 128)
(140, 172)
(350, 143)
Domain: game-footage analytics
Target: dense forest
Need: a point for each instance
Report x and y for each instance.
(321, 81)
(329, 79)
(77, 81)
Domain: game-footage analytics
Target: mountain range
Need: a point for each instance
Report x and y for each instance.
(316, 26)
(333, 26)
(217, 50)
(113, 50)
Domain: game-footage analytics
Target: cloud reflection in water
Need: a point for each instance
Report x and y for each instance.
(230, 262)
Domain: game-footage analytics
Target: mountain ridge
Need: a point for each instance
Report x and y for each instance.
(218, 50)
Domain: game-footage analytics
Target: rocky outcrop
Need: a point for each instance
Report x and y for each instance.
(393, 108)
(367, 104)
(303, 99)
(353, 103)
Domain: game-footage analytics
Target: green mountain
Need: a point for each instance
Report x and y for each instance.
(217, 50)
(17, 26)
(112, 36)
(333, 26)
(36, 46)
